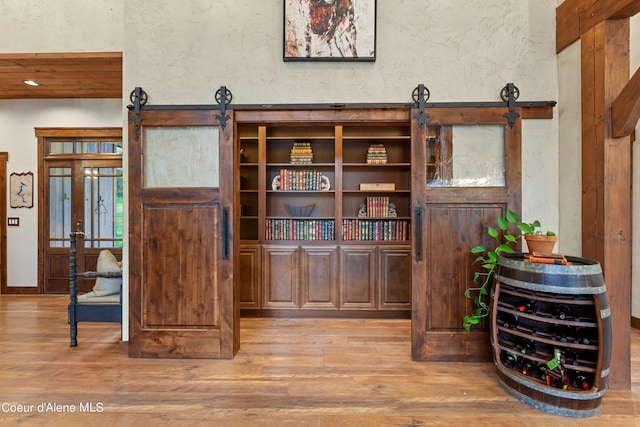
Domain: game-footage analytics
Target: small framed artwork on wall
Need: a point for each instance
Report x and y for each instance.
(329, 30)
(21, 187)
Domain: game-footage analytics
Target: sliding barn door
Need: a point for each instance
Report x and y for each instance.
(466, 173)
(182, 301)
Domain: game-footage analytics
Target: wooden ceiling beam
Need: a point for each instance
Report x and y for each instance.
(575, 17)
(61, 75)
(625, 110)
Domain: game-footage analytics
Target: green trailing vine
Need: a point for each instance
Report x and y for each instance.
(488, 259)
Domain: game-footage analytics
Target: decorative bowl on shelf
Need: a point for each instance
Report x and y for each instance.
(300, 210)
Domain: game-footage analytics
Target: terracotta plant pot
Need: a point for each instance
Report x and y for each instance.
(540, 243)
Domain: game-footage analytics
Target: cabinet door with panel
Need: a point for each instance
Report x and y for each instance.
(250, 260)
(280, 276)
(319, 281)
(358, 277)
(394, 277)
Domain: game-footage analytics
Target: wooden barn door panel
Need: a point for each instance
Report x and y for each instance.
(183, 294)
(451, 232)
(182, 302)
(466, 172)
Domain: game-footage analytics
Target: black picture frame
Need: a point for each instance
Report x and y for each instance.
(329, 30)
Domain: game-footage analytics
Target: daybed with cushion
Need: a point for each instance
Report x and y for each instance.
(104, 302)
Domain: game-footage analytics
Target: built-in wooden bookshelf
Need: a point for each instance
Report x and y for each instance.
(331, 199)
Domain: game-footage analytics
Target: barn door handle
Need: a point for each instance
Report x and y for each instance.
(418, 233)
(225, 233)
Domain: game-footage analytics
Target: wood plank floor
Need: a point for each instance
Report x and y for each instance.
(298, 372)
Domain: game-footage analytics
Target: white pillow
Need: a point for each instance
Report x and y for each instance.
(106, 263)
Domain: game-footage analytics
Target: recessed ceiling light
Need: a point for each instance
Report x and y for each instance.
(31, 83)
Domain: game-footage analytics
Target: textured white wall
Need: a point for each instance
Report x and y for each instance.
(570, 151)
(463, 51)
(61, 26)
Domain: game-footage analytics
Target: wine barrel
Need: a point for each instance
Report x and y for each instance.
(579, 285)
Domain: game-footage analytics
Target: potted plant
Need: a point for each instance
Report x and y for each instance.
(536, 240)
(488, 258)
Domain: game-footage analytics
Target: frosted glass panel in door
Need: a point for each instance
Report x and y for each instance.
(475, 157)
(103, 207)
(181, 157)
(59, 207)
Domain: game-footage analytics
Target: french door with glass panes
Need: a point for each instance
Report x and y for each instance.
(84, 194)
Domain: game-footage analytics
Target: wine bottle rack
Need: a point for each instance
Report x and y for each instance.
(538, 309)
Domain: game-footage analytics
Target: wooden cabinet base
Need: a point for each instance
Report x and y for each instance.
(325, 281)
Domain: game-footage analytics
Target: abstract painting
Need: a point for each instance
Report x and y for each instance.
(330, 30)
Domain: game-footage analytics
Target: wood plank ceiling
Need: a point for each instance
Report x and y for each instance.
(61, 75)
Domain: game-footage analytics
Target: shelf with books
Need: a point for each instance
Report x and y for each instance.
(286, 178)
(249, 183)
(294, 145)
(355, 204)
(306, 229)
(371, 229)
(373, 146)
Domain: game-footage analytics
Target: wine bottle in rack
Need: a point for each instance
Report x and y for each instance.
(524, 306)
(529, 367)
(562, 311)
(557, 375)
(581, 380)
(584, 335)
(526, 346)
(508, 359)
(509, 321)
(570, 357)
(561, 332)
(541, 372)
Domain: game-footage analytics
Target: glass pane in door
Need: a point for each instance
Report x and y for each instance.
(181, 157)
(474, 156)
(103, 207)
(59, 207)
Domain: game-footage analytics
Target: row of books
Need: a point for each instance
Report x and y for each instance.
(377, 207)
(367, 229)
(300, 229)
(301, 153)
(376, 154)
(300, 180)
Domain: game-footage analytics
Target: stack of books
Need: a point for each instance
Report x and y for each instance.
(300, 180)
(376, 154)
(301, 153)
(377, 206)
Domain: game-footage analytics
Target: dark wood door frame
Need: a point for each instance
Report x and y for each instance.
(4, 157)
(44, 136)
